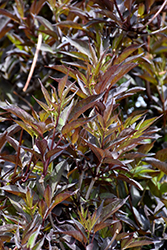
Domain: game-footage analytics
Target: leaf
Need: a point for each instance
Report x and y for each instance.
(45, 22)
(48, 195)
(75, 124)
(82, 46)
(84, 105)
(33, 237)
(156, 163)
(113, 75)
(10, 15)
(22, 114)
(2, 139)
(69, 24)
(127, 52)
(61, 86)
(41, 145)
(112, 208)
(139, 243)
(20, 7)
(162, 154)
(57, 200)
(13, 189)
(56, 151)
(104, 224)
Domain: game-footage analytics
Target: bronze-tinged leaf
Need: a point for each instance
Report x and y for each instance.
(42, 207)
(48, 195)
(13, 189)
(22, 114)
(10, 15)
(108, 111)
(112, 208)
(36, 6)
(56, 151)
(69, 24)
(102, 225)
(100, 154)
(20, 7)
(46, 94)
(65, 70)
(113, 75)
(75, 124)
(162, 154)
(138, 243)
(61, 86)
(57, 200)
(156, 163)
(45, 22)
(11, 158)
(127, 52)
(41, 145)
(74, 233)
(2, 139)
(82, 46)
(4, 30)
(84, 105)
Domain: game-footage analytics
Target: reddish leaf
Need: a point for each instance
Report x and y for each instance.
(57, 200)
(69, 24)
(138, 243)
(75, 124)
(100, 154)
(11, 158)
(162, 154)
(102, 225)
(3, 139)
(36, 6)
(48, 195)
(156, 163)
(13, 189)
(128, 51)
(61, 85)
(113, 75)
(56, 151)
(10, 15)
(84, 105)
(45, 22)
(41, 145)
(112, 208)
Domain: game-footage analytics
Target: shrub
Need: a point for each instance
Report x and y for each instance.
(82, 167)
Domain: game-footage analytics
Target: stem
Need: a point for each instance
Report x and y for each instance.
(156, 14)
(34, 61)
(93, 182)
(113, 238)
(122, 19)
(18, 154)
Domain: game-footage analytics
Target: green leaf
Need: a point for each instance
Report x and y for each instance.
(33, 237)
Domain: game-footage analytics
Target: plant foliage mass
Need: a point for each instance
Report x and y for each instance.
(83, 158)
